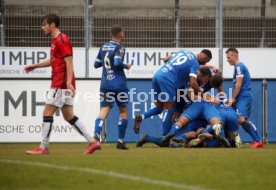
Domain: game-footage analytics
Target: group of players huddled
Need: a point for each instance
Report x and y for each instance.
(205, 120)
(197, 119)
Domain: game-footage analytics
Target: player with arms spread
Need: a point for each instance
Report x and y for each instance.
(62, 88)
(242, 98)
(113, 83)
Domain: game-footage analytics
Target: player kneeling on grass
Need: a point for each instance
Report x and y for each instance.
(113, 84)
(63, 86)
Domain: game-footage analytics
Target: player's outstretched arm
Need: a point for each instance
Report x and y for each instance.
(45, 63)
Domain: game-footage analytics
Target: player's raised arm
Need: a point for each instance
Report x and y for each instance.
(45, 63)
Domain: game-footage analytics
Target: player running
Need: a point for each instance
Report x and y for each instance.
(242, 98)
(61, 93)
(113, 84)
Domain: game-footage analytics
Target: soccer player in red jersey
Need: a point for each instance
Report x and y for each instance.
(61, 93)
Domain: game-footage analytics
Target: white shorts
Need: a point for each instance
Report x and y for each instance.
(59, 97)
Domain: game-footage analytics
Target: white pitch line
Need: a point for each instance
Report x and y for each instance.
(107, 173)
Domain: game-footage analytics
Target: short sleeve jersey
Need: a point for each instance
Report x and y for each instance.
(179, 68)
(242, 71)
(60, 48)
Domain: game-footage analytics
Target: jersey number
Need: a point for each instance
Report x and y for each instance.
(107, 61)
(179, 59)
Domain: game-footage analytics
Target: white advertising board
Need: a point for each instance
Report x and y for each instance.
(260, 62)
(14, 59)
(21, 109)
(145, 61)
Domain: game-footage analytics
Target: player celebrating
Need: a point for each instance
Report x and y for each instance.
(179, 71)
(63, 82)
(242, 97)
(113, 83)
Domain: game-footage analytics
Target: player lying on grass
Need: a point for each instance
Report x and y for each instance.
(200, 108)
(198, 138)
(228, 115)
(230, 130)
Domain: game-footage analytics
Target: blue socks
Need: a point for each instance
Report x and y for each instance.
(122, 125)
(174, 128)
(152, 112)
(167, 123)
(154, 140)
(251, 130)
(98, 126)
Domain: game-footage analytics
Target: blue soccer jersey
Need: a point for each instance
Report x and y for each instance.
(110, 57)
(179, 68)
(201, 110)
(229, 118)
(242, 71)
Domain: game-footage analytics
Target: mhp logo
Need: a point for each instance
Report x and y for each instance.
(21, 57)
(146, 58)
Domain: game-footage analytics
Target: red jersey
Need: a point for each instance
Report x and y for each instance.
(60, 48)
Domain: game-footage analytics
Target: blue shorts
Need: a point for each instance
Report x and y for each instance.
(192, 127)
(243, 107)
(201, 110)
(229, 119)
(164, 89)
(108, 98)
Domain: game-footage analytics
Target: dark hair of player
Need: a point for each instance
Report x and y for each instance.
(233, 50)
(207, 52)
(52, 18)
(205, 71)
(116, 30)
(216, 81)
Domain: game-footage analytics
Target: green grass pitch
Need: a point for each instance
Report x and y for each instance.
(149, 167)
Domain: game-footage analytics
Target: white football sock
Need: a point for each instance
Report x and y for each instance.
(80, 128)
(46, 131)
